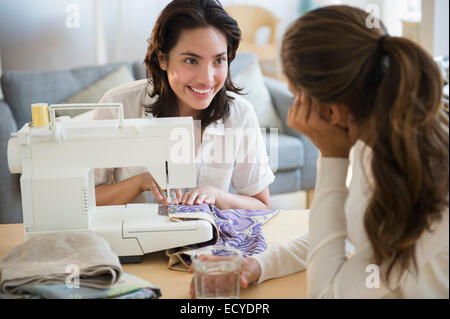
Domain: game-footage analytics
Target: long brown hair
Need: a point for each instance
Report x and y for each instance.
(393, 85)
(178, 16)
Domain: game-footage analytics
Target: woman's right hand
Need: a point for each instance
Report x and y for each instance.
(148, 183)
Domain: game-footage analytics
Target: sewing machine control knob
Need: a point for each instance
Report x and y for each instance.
(14, 156)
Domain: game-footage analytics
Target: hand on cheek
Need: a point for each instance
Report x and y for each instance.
(331, 137)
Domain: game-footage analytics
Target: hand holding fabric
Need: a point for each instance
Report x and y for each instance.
(200, 195)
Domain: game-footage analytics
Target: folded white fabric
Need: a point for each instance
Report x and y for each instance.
(60, 257)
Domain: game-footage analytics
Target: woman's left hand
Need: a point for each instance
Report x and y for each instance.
(200, 195)
(332, 140)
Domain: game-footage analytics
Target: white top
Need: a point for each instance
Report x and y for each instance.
(336, 215)
(230, 151)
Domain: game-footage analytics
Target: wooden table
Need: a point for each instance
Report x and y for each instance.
(285, 226)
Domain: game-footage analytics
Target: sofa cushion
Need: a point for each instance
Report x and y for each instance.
(139, 70)
(22, 88)
(94, 92)
(291, 152)
(287, 182)
(241, 61)
(10, 204)
(283, 100)
(251, 80)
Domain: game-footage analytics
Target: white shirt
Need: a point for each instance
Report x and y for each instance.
(230, 151)
(337, 214)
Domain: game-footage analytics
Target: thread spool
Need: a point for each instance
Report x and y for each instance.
(39, 114)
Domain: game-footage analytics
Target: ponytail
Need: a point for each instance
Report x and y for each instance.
(410, 155)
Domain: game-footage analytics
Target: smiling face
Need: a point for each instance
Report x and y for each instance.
(197, 68)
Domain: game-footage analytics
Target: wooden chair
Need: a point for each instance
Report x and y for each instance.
(250, 20)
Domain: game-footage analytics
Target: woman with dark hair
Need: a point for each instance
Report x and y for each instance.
(187, 66)
(360, 91)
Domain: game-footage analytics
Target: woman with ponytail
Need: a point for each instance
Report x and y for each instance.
(362, 92)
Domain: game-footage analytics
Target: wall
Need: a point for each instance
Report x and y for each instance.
(389, 10)
(34, 35)
(435, 20)
(441, 28)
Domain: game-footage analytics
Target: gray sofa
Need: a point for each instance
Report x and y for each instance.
(296, 154)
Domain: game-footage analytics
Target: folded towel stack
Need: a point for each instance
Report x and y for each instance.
(82, 258)
(128, 287)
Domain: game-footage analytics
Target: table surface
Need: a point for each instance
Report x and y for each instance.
(283, 227)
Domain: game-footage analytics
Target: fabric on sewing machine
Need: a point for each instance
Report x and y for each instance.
(238, 228)
(127, 287)
(55, 258)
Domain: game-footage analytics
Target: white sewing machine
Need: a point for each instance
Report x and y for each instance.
(57, 182)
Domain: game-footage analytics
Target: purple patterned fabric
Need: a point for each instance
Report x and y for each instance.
(238, 228)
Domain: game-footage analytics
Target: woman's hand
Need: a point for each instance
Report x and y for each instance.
(331, 139)
(148, 183)
(200, 195)
(250, 272)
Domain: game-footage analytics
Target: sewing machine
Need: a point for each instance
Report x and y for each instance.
(57, 181)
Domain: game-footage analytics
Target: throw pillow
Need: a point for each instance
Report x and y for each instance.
(255, 91)
(95, 91)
